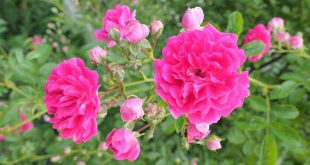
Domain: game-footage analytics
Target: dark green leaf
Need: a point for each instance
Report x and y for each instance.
(283, 90)
(253, 48)
(285, 111)
(235, 23)
(288, 135)
(257, 103)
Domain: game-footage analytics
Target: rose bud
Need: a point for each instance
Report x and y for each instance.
(157, 27)
(2, 137)
(97, 54)
(276, 23)
(131, 109)
(282, 36)
(123, 144)
(136, 32)
(296, 42)
(67, 150)
(192, 18)
(27, 126)
(214, 144)
(81, 163)
(103, 146)
(37, 40)
(197, 132)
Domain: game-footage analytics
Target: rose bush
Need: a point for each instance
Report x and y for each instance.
(162, 83)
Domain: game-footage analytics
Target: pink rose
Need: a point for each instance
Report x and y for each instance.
(96, 54)
(117, 18)
(192, 18)
(37, 40)
(198, 75)
(282, 36)
(2, 137)
(131, 109)
(260, 33)
(275, 23)
(156, 26)
(71, 96)
(197, 131)
(123, 144)
(296, 42)
(27, 126)
(135, 32)
(214, 144)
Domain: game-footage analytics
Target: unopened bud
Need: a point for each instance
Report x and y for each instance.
(135, 64)
(67, 150)
(55, 158)
(118, 72)
(97, 55)
(157, 28)
(114, 34)
(103, 146)
(103, 111)
(214, 143)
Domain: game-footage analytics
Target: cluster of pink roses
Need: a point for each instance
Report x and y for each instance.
(275, 28)
(198, 76)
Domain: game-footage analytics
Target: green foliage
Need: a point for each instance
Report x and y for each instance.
(253, 48)
(235, 23)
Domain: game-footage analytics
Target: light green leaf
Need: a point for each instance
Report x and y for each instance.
(253, 48)
(283, 90)
(179, 124)
(235, 23)
(285, 111)
(269, 151)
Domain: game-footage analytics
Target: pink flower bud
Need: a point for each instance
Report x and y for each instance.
(37, 40)
(192, 18)
(67, 150)
(131, 109)
(55, 158)
(2, 137)
(134, 1)
(275, 23)
(27, 126)
(296, 42)
(54, 44)
(103, 146)
(64, 49)
(214, 144)
(136, 32)
(197, 131)
(124, 144)
(282, 36)
(156, 27)
(96, 54)
(81, 163)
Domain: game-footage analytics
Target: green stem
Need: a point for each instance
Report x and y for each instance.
(139, 82)
(268, 112)
(261, 84)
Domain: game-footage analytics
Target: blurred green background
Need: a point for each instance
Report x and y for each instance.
(74, 22)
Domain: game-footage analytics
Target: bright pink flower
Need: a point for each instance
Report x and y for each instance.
(2, 137)
(156, 26)
(282, 36)
(192, 18)
(296, 42)
(214, 144)
(135, 32)
(96, 54)
(197, 132)
(260, 33)
(198, 75)
(124, 144)
(27, 126)
(131, 109)
(275, 23)
(117, 18)
(71, 95)
(37, 40)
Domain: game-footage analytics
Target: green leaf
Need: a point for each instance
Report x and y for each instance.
(269, 151)
(179, 124)
(235, 136)
(283, 90)
(235, 23)
(257, 103)
(46, 68)
(253, 48)
(41, 53)
(288, 135)
(284, 111)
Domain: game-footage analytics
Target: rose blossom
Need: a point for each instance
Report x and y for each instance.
(131, 109)
(260, 33)
(197, 131)
(214, 144)
(282, 36)
(192, 18)
(71, 96)
(156, 26)
(37, 40)
(117, 18)
(296, 42)
(135, 32)
(123, 144)
(27, 126)
(198, 75)
(275, 23)
(96, 54)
